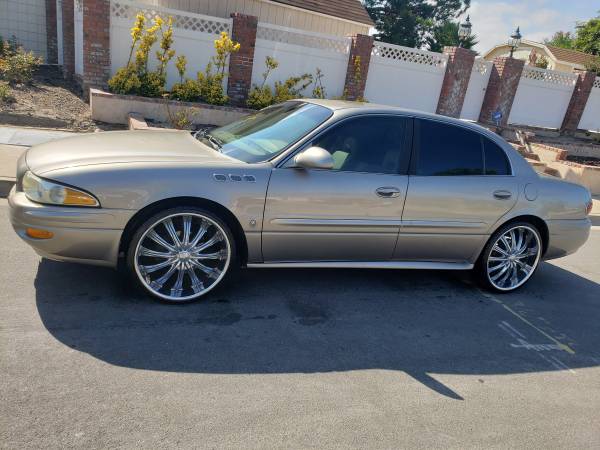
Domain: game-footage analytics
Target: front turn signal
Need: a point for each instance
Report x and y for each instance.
(36, 233)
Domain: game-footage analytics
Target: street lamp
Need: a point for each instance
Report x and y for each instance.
(464, 31)
(514, 41)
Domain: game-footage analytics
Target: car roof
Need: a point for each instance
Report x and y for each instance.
(351, 107)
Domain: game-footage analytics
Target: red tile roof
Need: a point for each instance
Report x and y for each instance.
(344, 9)
(571, 56)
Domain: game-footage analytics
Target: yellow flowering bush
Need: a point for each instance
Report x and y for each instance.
(135, 78)
(262, 96)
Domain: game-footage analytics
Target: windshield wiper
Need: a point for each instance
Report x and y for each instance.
(215, 143)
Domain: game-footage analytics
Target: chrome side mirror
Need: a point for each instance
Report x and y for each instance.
(314, 158)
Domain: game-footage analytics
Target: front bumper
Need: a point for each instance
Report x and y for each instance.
(566, 236)
(83, 235)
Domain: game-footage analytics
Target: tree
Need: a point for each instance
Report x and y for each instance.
(446, 34)
(412, 22)
(588, 37)
(562, 39)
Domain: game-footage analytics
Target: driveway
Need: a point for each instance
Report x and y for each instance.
(303, 358)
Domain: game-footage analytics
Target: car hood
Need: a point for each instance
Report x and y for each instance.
(121, 147)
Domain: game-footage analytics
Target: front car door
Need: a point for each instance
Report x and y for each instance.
(351, 212)
(460, 185)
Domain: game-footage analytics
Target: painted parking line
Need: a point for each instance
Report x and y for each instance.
(559, 345)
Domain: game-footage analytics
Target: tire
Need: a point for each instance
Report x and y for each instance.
(507, 263)
(181, 254)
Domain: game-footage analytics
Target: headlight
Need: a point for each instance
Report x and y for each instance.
(44, 191)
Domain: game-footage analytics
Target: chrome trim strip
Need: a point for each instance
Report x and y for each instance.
(440, 224)
(338, 222)
(429, 265)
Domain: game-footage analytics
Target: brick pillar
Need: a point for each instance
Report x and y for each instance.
(68, 38)
(501, 89)
(51, 34)
(96, 43)
(581, 93)
(240, 63)
(456, 80)
(360, 47)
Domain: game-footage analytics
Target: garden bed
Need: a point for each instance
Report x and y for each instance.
(49, 101)
(116, 108)
(584, 160)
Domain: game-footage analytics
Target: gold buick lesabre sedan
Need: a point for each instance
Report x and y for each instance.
(304, 183)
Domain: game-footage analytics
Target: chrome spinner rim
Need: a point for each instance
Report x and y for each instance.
(513, 258)
(182, 256)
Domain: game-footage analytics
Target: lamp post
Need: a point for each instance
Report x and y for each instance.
(514, 41)
(464, 31)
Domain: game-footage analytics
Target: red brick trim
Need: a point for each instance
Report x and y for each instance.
(240, 63)
(96, 43)
(51, 33)
(579, 98)
(360, 47)
(68, 38)
(501, 89)
(456, 80)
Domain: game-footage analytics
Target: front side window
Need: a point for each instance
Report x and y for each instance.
(261, 136)
(447, 150)
(366, 144)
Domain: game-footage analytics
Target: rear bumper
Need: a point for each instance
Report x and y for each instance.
(83, 235)
(566, 236)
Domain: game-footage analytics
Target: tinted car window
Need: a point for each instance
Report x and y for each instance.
(496, 162)
(448, 150)
(366, 144)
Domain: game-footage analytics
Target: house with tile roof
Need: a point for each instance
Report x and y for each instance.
(560, 59)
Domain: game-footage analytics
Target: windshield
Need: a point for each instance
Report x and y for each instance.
(261, 136)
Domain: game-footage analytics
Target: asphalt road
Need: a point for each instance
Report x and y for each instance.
(295, 359)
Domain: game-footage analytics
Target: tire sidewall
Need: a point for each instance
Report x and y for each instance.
(152, 220)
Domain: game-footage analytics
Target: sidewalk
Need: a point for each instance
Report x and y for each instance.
(13, 142)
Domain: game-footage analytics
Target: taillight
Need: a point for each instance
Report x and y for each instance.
(588, 207)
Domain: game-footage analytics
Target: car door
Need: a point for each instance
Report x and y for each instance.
(460, 185)
(351, 212)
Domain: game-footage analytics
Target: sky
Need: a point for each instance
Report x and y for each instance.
(494, 21)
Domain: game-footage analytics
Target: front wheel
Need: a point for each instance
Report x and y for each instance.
(180, 254)
(510, 257)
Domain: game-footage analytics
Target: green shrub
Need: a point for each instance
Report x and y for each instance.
(5, 96)
(186, 91)
(125, 81)
(262, 96)
(135, 78)
(16, 64)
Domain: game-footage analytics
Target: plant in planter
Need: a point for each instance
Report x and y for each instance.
(186, 90)
(262, 96)
(135, 78)
(211, 84)
(208, 85)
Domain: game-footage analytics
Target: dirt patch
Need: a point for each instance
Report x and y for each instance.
(587, 160)
(49, 102)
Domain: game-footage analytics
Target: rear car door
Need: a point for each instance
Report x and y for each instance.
(460, 185)
(351, 212)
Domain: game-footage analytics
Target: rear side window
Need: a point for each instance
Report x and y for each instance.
(496, 162)
(447, 150)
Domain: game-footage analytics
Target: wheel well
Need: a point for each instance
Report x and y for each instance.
(214, 207)
(538, 223)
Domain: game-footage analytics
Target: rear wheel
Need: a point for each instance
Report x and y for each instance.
(181, 254)
(510, 257)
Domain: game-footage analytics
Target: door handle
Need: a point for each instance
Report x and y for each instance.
(387, 192)
(502, 195)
